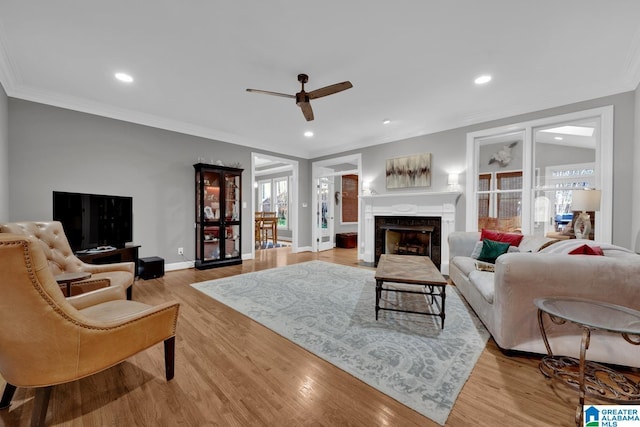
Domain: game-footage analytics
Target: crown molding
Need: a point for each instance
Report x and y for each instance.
(11, 81)
(104, 110)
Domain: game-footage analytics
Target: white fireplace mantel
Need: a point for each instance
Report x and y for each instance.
(426, 203)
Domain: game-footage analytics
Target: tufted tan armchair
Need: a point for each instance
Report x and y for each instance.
(47, 339)
(62, 260)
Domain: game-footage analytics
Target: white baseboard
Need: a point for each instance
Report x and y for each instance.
(178, 265)
(189, 264)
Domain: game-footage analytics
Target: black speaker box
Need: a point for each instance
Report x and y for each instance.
(151, 267)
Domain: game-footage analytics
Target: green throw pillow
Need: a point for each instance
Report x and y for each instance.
(492, 250)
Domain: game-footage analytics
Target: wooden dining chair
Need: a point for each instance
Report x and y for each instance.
(268, 228)
(258, 229)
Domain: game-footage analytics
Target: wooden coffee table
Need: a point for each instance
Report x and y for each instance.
(415, 271)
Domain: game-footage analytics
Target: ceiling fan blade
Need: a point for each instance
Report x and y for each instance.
(329, 90)
(306, 110)
(266, 92)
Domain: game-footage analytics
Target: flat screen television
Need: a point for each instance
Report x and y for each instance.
(92, 220)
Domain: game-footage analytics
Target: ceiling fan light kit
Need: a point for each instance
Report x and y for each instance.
(303, 98)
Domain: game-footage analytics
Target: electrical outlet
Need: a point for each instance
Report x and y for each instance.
(180, 251)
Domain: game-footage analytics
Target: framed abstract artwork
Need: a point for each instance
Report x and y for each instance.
(410, 171)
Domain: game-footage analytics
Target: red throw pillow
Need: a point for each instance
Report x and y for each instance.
(587, 250)
(498, 236)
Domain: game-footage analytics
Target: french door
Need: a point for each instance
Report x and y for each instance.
(324, 213)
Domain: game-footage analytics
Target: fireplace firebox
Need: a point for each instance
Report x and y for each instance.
(407, 239)
(408, 235)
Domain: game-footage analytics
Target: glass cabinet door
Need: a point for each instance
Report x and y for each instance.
(232, 196)
(218, 223)
(232, 241)
(211, 196)
(211, 242)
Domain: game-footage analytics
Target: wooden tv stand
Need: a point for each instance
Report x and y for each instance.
(128, 254)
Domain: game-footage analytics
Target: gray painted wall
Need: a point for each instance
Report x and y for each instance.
(57, 149)
(448, 150)
(4, 155)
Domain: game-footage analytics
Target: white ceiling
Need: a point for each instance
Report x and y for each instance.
(411, 61)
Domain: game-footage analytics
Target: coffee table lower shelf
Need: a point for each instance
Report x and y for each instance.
(427, 291)
(413, 275)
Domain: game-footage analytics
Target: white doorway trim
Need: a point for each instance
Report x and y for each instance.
(293, 198)
(326, 168)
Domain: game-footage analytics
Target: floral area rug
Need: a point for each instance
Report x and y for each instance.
(329, 309)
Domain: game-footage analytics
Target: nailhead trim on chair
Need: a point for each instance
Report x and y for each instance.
(56, 308)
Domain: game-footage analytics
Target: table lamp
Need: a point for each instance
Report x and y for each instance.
(584, 201)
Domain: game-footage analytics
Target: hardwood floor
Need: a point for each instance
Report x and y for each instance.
(231, 371)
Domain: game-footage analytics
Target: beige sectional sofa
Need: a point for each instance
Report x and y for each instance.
(503, 299)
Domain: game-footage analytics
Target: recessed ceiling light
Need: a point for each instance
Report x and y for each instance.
(558, 138)
(386, 121)
(124, 77)
(308, 134)
(572, 130)
(482, 79)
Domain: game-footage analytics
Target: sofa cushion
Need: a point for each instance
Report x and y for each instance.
(499, 236)
(478, 248)
(485, 266)
(587, 250)
(483, 281)
(465, 264)
(492, 250)
(616, 253)
(534, 243)
(566, 246)
(549, 243)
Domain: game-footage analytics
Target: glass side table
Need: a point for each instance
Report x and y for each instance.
(590, 378)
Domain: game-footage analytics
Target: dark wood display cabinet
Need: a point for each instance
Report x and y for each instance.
(218, 216)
